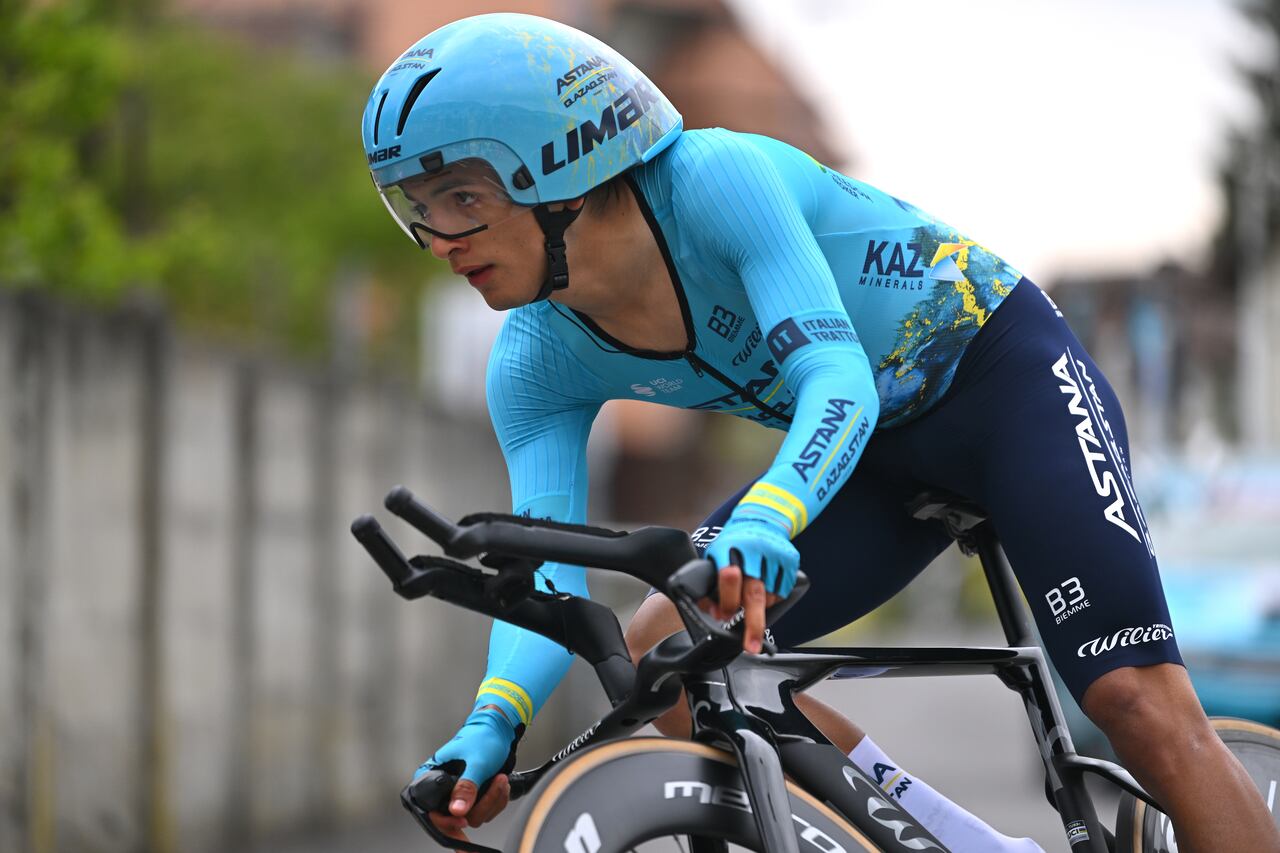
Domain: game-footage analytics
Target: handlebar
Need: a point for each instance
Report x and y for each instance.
(664, 557)
(515, 546)
(650, 553)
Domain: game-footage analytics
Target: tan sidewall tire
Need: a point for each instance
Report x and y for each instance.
(548, 796)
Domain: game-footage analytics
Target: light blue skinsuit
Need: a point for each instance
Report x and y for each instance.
(812, 303)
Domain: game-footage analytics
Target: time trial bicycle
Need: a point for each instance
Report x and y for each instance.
(757, 773)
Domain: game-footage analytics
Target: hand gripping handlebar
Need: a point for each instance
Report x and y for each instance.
(515, 546)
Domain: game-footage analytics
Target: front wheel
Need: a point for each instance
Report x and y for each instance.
(1142, 829)
(657, 794)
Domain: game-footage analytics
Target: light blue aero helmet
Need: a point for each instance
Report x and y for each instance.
(542, 111)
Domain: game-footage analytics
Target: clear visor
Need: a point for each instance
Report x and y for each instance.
(462, 199)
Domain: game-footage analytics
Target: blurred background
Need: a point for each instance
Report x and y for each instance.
(216, 350)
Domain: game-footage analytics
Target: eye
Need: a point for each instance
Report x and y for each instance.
(465, 198)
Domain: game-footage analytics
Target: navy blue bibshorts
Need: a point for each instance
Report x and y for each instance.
(1031, 431)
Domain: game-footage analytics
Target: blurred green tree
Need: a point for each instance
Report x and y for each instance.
(138, 153)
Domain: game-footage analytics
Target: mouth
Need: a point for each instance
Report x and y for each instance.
(477, 275)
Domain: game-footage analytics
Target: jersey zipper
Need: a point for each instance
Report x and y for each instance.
(701, 367)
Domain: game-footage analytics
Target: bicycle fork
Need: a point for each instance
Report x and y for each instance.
(715, 718)
(719, 717)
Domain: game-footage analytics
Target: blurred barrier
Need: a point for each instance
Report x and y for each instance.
(194, 654)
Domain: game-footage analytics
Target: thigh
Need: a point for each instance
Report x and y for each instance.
(860, 552)
(1065, 507)
(1036, 435)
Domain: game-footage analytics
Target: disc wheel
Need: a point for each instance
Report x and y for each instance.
(657, 794)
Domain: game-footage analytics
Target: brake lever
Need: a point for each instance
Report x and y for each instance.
(699, 579)
(695, 580)
(430, 792)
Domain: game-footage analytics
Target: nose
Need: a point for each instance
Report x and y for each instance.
(442, 246)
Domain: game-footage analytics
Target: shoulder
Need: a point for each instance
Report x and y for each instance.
(703, 152)
(525, 346)
(726, 187)
(531, 368)
(722, 167)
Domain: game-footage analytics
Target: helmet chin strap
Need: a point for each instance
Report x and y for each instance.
(553, 224)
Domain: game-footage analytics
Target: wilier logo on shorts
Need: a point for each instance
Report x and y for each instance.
(1125, 637)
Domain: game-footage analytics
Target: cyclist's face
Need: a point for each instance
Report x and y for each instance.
(506, 263)
(464, 198)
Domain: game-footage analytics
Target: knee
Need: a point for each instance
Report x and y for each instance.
(655, 620)
(1150, 709)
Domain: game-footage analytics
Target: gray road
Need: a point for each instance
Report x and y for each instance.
(967, 736)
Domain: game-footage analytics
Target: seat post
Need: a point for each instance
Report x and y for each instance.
(967, 523)
(1004, 586)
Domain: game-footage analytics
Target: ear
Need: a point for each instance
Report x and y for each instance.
(576, 203)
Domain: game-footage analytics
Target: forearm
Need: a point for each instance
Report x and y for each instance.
(524, 667)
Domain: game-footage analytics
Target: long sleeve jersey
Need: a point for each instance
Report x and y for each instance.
(812, 303)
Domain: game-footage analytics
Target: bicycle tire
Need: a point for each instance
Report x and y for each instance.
(1143, 829)
(617, 796)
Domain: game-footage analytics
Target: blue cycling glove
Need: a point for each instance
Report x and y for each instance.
(484, 743)
(763, 551)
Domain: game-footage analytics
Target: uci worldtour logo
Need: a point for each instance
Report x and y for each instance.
(1125, 637)
(661, 383)
(580, 140)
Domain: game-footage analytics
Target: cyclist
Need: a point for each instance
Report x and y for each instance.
(730, 272)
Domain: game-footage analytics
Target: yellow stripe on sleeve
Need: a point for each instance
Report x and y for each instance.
(513, 693)
(797, 505)
(786, 511)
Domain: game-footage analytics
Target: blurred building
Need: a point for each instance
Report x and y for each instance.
(1259, 357)
(1166, 342)
(699, 55)
(694, 50)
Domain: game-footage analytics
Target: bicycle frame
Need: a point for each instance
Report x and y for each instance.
(762, 691)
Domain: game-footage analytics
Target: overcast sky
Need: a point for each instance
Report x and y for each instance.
(1066, 135)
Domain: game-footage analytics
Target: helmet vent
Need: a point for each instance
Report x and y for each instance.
(377, 119)
(411, 99)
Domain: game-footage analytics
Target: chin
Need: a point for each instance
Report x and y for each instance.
(502, 301)
(505, 298)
